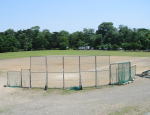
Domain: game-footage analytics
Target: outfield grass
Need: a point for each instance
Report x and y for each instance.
(71, 52)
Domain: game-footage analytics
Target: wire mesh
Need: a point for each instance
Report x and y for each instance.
(88, 79)
(38, 64)
(71, 80)
(87, 63)
(103, 77)
(25, 78)
(55, 64)
(14, 79)
(65, 72)
(71, 64)
(123, 72)
(55, 80)
(38, 80)
(3, 78)
(133, 72)
(114, 73)
(120, 73)
(102, 62)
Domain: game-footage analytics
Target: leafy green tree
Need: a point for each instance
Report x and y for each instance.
(108, 32)
(76, 40)
(87, 36)
(96, 41)
(47, 37)
(63, 39)
(34, 32)
(10, 43)
(24, 40)
(40, 41)
(107, 37)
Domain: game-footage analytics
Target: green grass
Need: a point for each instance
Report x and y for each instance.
(71, 52)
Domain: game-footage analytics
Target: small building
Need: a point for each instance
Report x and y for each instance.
(84, 48)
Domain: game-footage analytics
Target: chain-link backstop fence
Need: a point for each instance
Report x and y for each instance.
(70, 71)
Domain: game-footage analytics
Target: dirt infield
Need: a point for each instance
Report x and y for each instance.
(55, 80)
(142, 63)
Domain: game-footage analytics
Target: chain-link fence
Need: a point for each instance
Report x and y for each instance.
(14, 79)
(133, 72)
(121, 73)
(70, 71)
(25, 77)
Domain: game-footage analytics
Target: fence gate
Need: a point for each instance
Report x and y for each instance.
(25, 78)
(120, 73)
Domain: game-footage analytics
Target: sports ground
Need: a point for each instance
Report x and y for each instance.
(107, 100)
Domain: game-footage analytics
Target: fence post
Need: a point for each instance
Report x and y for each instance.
(21, 77)
(7, 80)
(63, 73)
(95, 71)
(46, 66)
(117, 75)
(135, 69)
(80, 83)
(109, 60)
(30, 73)
(130, 78)
(109, 71)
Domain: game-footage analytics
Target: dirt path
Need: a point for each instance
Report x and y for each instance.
(127, 99)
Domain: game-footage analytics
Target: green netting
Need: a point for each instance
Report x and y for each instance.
(120, 73)
(123, 72)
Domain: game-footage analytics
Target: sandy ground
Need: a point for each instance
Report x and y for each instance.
(143, 63)
(129, 99)
(71, 69)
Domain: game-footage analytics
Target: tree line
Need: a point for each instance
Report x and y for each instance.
(106, 37)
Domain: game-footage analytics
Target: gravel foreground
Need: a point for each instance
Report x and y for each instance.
(131, 99)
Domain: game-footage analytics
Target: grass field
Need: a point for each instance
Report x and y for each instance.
(72, 52)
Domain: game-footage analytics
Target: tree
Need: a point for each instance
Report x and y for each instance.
(40, 41)
(47, 36)
(87, 34)
(24, 40)
(106, 37)
(107, 30)
(76, 40)
(10, 43)
(96, 41)
(63, 39)
(34, 32)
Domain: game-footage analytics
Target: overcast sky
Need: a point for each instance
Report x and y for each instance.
(73, 15)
